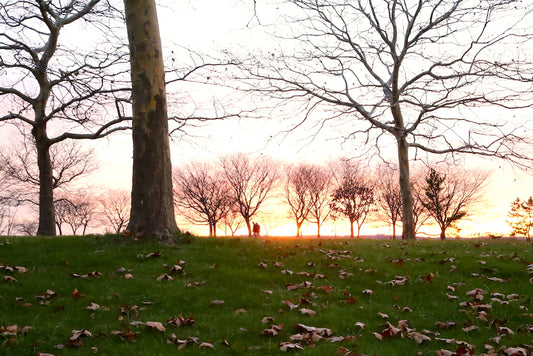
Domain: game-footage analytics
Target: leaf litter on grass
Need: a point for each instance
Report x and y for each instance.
(331, 273)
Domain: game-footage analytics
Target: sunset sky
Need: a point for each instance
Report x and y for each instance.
(213, 26)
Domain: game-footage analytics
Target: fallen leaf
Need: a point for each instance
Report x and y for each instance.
(360, 324)
(181, 321)
(76, 294)
(156, 325)
(240, 311)
(216, 302)
(10, 279)
(290, 304)
(93, 306)
(127, 335)
(165, 277)
(383, 315)
(206, 345)
(153, 254)
(470, 328)
(418, 337)
(305, 311)
(289, 346)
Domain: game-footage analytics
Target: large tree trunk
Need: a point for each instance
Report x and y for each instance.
(152, 209)
(47, 222)
(405, 190)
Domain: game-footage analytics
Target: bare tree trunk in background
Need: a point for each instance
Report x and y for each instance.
(406, 191)
(152, 210)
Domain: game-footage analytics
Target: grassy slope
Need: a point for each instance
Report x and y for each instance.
(230, 269)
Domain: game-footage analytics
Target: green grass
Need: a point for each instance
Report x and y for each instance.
(228, 270)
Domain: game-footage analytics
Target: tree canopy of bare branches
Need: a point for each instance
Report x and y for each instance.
(415, 74)
(297, 193)
(354, 196)
(69, 161)
(202, 194)
(115, 208)
(448, 196)
(51, 88)
(252, 180)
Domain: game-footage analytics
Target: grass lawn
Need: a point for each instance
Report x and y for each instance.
(113, 296)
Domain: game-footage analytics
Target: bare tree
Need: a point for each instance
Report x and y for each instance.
(297, 193)
(417, 73)
(233, 220)
(354, 196)
(115, 209)
(27, 227)
(68, 162)
(202, 193)
(447, 196)
(52, 88)
(389, 198)
(320, 184)
(77, 210)
(252, 180)
(152, 208)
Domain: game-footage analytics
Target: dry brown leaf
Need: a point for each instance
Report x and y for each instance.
(128, 276)
(515, 351)
(165, 277)
(383, 315)
(289, 346)
(470, 328)
(181, 321)
(360, 324)
(267, 319)
(10, 279)
(309, 312)
(240, 311)
(93, 306)
(216, 302)
(76, 294)
(290, 304)
(156, 325)
(206, 345)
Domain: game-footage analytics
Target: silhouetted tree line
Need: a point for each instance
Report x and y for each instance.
(241, 187)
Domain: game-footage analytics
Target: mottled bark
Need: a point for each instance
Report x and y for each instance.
(152, 210)
(46, 184)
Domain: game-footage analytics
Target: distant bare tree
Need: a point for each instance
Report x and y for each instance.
(252, 180)
(447, 196)
(389, 198)
(53, 89)
(320, 185)
(77, 211)
(354, 196)
(416, 73)
(68, 161)
(202, 193)
(115, 208)
(233, 220)
(297, 193)
(27, 227)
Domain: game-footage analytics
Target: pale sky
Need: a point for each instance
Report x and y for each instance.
(211, 26)
(228, 24)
